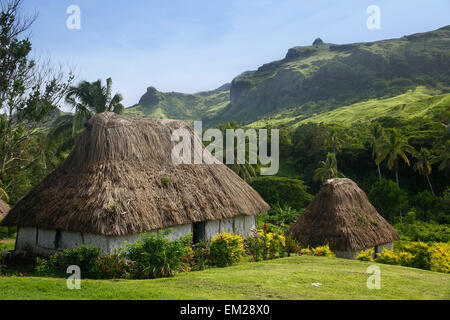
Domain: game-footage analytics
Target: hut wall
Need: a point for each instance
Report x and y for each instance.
(42, 242)
(346, 254)
(388, 246)
(239, 225)
(354, 254)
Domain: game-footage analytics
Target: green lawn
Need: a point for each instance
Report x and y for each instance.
(286, 278)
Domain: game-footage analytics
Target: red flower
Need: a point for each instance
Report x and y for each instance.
(265, 226)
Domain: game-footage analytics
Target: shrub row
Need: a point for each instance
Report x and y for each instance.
(434, 257)
(155, 256)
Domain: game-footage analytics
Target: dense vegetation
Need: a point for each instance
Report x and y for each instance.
(374, 112)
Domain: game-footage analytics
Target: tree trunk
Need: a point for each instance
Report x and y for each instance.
(429, 183)
(396, 173)
(379, 171)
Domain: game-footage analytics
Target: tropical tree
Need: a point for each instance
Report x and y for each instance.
(3, 194)
(328, 169)
(334, 141)
(423, 165)
(376, 134)
(393, 146)
(89, 98)
(30, 91)
(442, 156)
(86, 99)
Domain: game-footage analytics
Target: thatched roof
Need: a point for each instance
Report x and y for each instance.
(119, 179)
(341, 215)
(4, 208)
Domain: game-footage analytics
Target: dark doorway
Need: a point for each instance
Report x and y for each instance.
(198, 232)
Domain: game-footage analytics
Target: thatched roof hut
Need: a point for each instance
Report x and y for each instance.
(4, 208)
(120, 180)
(342, 216)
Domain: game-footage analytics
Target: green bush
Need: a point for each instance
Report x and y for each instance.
(388, 198)
(226, 249)
(423, 231)
(440, 257)
(110, 266)
(278, 218)
(292, 246)
(197, 257)
(265, 245)
(421, 254)
(388, 257)
(406, 259)
(155, 256)
(290, 192)
(365, 255)
(428, 207)
(84, 257)
(7, 232)
(323, 251)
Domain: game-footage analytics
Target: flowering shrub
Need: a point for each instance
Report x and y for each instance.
(421, 254)
(197, 256)
(323, 251)
(226, 249)
(365, 255)
(266, 245)
(387, 257)
(305, 252)
(435, 257)
(406, 259)
(440, 257)
(291, 246)
(155, 256)
(110, 266)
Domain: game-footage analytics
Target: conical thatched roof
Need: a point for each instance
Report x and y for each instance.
(120, 180)
(341, 215)
(4, 208)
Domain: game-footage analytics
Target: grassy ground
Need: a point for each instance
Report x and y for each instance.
(421, 102)
(286, 278)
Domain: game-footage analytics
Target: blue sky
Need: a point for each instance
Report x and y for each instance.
(195, 45)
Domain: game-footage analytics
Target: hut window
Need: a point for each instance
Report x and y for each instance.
(57, 238)
(198, 232)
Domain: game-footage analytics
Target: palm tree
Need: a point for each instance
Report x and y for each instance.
(393, 146)
(91, 98)
(376, 132)
(334, 141)
(86, 99)
(3, 193)
(423, 164)
(442, 156)
(328, 169)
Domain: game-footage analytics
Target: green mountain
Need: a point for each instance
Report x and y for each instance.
(407, 77)
(175, 105)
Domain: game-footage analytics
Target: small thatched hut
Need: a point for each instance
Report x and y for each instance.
(120, 181)
(341, 215)
(4, 208)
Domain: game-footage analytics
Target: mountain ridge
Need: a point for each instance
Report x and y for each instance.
(315, 79)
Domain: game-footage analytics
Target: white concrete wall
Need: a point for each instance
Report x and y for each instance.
(42, 242)
(388, 246)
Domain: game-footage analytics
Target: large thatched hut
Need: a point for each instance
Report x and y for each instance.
(342, 216)
(120, 181)
(4, 208)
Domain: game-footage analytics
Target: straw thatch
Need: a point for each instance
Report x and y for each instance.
(120, 180)
(341, 215)
(4, 208)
